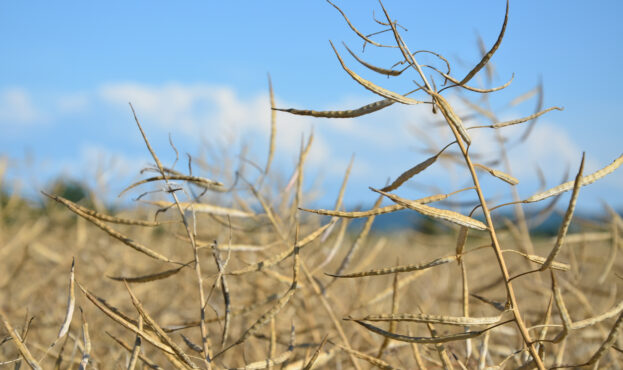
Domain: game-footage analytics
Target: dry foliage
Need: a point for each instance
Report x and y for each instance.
(235, 273)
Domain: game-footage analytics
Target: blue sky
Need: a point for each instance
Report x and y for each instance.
(197, 70)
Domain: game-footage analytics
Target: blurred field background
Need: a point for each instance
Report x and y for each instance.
(39, 241)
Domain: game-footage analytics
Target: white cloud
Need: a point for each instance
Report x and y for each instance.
(17, 107)
(550, 147)
(106, 164)
(384, 141)
(219, 114)
(214, 112)
(169, 106)
(73, 103)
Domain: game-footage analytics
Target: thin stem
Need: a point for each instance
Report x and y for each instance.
(498, 254)
(496, 246)
(191, 237)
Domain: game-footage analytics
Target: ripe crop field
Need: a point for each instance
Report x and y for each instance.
(221, 267)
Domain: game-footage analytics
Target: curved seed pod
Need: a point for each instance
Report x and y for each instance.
(499, 174)
(443, 214)
(149, 277)
(500, 306)
(525, 119)
(471, 88)
(461, 240)
(366, 109)
(71, 302)
(451, 117)
(411, 172)
(382, 210)
(425, 340)
(206, 208)
(486, 57)
(191, 345)
(361, 35)
(519, 120)
(383, 71)
(100, 216)
(273, 127)
(566, 220)
(562, 310)
(355, 214)
(599, 318)
(434, 319)
(375, 88)
(114, 233)
(199, 181)
(540, 260)
(586, 180)
(396, 269)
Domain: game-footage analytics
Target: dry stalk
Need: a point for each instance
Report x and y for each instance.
(462, 138)
(566, 220)
(86, 352)
(23, 350)
(191, 236)
(489, 222)
(278, 225)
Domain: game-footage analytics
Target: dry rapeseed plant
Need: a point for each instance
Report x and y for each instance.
(463, 141)
(241, 270)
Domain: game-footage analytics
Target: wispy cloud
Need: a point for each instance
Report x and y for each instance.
(550, 147)
(18, 108)
(214, 112)
(73, 103)
(386, 143)
(185, 108)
